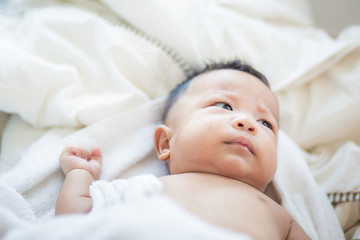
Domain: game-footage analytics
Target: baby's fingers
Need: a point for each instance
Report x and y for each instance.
(96, 154)
(80, 152)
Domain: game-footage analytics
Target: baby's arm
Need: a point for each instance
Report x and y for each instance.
(80, 167)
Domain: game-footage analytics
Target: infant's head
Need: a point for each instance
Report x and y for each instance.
(224, 121)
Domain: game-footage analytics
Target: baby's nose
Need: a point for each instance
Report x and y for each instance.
(244, 124)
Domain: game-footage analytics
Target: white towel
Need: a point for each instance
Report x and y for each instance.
(121, 191)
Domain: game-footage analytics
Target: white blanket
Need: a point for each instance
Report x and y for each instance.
(97, 72)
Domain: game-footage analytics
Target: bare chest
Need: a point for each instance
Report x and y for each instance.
(232, 206)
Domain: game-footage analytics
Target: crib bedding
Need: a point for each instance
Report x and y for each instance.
(97, 72)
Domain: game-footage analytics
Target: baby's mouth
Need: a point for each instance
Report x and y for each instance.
(243, 142)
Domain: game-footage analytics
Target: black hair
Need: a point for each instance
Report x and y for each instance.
(210, 66)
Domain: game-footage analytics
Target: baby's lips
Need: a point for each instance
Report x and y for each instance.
(243, 141)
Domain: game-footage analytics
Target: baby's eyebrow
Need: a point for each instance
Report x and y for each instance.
(268, 111)
(219, 94)
(232, 96)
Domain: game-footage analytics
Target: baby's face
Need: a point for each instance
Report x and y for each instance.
(225, 123)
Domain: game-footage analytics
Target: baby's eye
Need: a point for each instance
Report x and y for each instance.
(223, 105)
(266, 123)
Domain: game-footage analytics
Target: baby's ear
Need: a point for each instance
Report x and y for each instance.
(161, 141)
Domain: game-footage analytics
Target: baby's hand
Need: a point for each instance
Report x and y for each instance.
(73, 157)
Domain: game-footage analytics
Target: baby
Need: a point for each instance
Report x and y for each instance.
(219, 137)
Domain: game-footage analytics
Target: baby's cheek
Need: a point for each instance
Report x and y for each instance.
(210, 126)
(271, 164)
